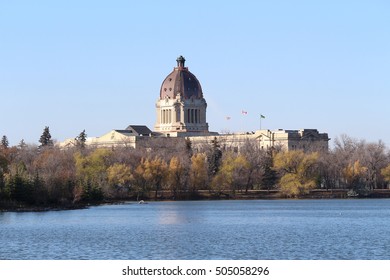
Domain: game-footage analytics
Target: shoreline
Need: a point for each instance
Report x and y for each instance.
(205, 195)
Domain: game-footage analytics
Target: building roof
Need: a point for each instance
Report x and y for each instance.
(181, 81)
(141, 130)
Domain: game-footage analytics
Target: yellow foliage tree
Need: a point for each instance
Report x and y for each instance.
(297, 170)
(155, 173)
(232, 173)
(119, 174)
(198, 172)
(176, 174)
(91, 173)
(386, 173)
(119, 177)
(354, 174)
(138, 179)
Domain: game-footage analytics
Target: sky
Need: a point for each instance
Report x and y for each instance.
(98, 65)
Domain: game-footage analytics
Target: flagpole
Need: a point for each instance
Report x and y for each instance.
(260, 122)
(261, 117)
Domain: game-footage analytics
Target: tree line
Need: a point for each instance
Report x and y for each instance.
(46, 175)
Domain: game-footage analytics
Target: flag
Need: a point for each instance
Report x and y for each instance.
(244, 112)
(262, 117)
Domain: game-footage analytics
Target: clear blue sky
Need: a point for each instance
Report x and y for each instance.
(98, 65)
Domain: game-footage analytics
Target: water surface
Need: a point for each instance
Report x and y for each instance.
(258, 229)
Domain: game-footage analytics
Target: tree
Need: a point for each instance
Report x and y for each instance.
(55, 169)
(119, 176)
(198, 172)
(4, 142)
(188, 145)
(45, 139)
(386, 173)
(91, 172)
(374, 159)
(333, 164)
(297, 171)
(176, 176)
(3, 170)
(155, 173)
(81, 139)
(22, 144)
(18, 183)
(138, 179)
(355, 175)
(269, 176)
(355, 164)
(214, 158)
(259, 172)
(232, 173)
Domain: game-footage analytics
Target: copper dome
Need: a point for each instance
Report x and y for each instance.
(181, 81)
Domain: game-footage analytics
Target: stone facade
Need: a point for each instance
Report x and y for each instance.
(181, 114)
(304, 139)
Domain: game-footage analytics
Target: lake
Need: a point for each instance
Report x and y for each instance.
(212, 230)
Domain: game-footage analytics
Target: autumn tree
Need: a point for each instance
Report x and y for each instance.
(139, 182)
(385, 172)
(231, 175)
(119, 177)
(155, 174)
(198, 174)
(176, 179)
(54, 170)
(259, 172)
(374, 159)
(355, 174)
(91, 172)
(356, 164)
(297, 171)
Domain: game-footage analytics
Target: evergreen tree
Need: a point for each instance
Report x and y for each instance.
(215, 158)
(189, 147)
(81, 139)
(270, 176)
(22, 144)
(45, 139)
(4, 142)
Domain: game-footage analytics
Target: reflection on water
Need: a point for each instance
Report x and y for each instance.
(282, 229)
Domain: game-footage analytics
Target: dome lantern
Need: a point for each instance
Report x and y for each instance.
(180, 61)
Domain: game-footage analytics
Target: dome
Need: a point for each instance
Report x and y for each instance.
(181, 81)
